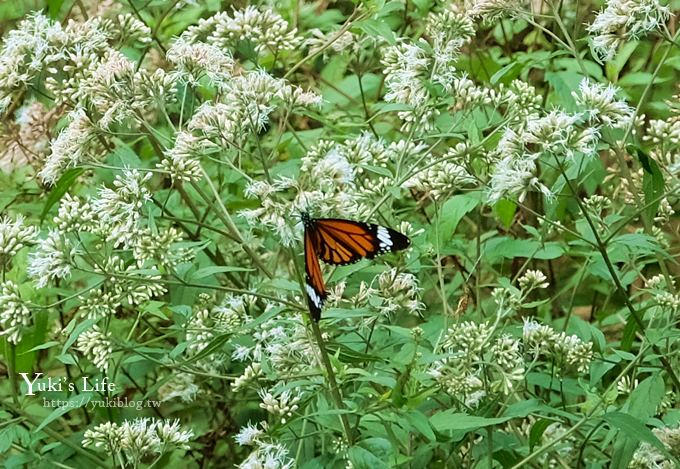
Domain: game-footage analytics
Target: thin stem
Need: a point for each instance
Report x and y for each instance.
(602, 248)
(223, 215)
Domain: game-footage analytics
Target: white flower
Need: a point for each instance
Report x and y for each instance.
(96, 346)
(14, 235)
(601, 104)
(284, 405)
(26, 50)
(52, 259)
(268, 456)
(248, 435)
(179, 385)
(75, 144)
(622, 20)
(195, 60)
(14, 313)
(533, 279)
(170, 433)
(74, 215)
(182, 161)
(514, 176)
(138, 438)
(265, 28)
(406, 67)
(119, 208)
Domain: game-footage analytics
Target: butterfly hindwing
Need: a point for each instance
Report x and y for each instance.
(314, 284)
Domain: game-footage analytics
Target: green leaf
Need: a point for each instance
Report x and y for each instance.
(60, 188)
(653, 188)
(49, 344)
(74, 402)
(363, 459)
(420, 423)
(505, 211)
(217, 269)
(635, 429)
(536, 432)
(377, 28)
(53, 7)
(453, 211)
(451, 420)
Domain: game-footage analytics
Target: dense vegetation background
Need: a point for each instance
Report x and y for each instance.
(156, 156)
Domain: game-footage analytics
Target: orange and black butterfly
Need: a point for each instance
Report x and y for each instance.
(341, 242)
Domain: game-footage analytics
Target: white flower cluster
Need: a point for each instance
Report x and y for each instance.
(662, 294)
(122, 94)
(137, 439)
(518, 152)
(182, 160)
(78, 142)
(624, 20)
(266, 454)
(14, 312)
(398, 291)
(409, 67)
(601, 105)
(648, 456)
(445, 177)
(490, 10)
(179, 385)
(118, 208)
(195, 60)
(53, 258)
(245, 105)
(26, 50)
(474, 357)
(264, 28)
(14, 235)
(97, 346)
(160, 249)
(568, 351)
(284, 405)
(285, 345)
(209, 320)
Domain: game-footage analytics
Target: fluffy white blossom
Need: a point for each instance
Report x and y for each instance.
(138, 439)
(282, 405)
(76, 143)
(601, 104)
(53, 258)
(97, 346)
(14, 235)
(119, 208)
(14, 312)
(623, 20)
(194, 60)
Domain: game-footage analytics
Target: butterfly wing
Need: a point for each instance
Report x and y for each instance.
(342, 242)
(314, 284)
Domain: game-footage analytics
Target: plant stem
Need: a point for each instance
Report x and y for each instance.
(602, 248)
(332, 382)
(223, 215)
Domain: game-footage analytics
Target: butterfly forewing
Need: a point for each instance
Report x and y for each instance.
(346, 241)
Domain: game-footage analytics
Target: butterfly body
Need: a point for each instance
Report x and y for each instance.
(341, 242)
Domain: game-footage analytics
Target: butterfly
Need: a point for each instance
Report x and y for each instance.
(340, 242)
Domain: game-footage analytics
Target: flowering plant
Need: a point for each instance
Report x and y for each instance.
(155, 159)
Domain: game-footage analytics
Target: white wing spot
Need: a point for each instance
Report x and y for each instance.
(384, 237)
(313, 295)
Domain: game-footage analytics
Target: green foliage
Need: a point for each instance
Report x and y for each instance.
(155, 160)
